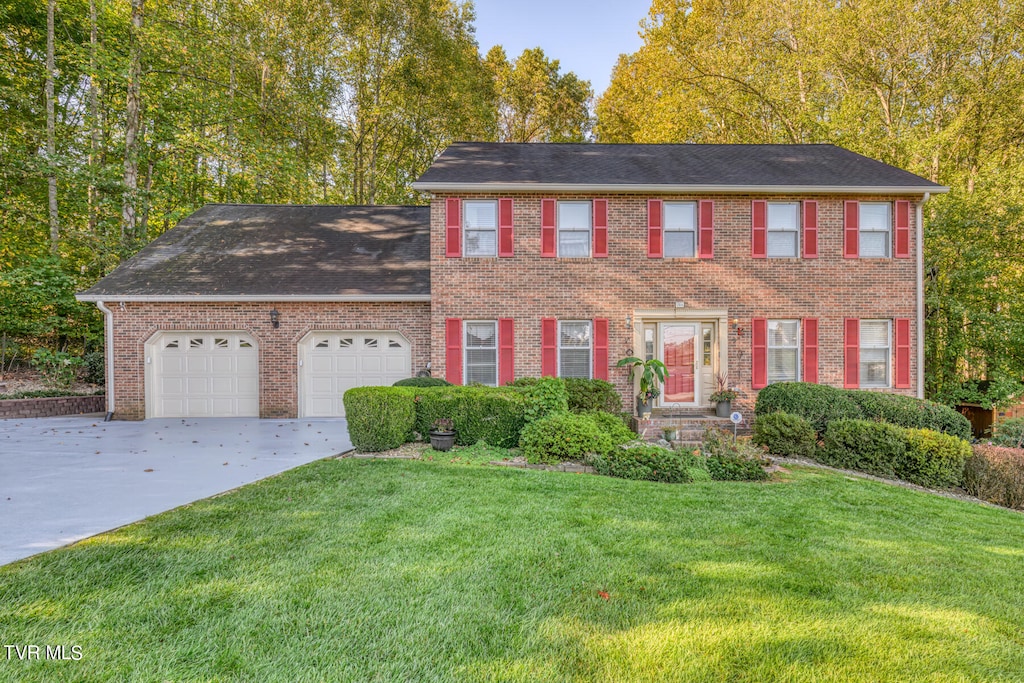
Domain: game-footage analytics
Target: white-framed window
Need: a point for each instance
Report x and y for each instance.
(875, 229)
(575, 345)
(875, 353)
(480, 218)
(574, 224)
(680, 221)
(783, 351)
(783, 229)
(481, 352)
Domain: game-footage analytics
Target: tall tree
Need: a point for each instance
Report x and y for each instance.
(51, 144)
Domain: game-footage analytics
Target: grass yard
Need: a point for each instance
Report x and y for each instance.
(357, 570)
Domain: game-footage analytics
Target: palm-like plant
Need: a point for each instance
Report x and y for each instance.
(653, 374)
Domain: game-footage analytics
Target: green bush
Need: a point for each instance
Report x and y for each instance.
(59, 369)
(544, 396)
(933, 459)
(786, 435)
(730, 459)
(906, 411)
(996, 474)
(873, 447)
(817, 403)
(495, 415)
(94, 363)
(422, 382)
(588, 395)
(563, 436)
(644, 463)
(379, 418)
(613, 426)
(1008, 433)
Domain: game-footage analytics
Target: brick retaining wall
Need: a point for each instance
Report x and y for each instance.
(50, 407)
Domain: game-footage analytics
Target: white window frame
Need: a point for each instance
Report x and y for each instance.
(466, 348)
(590, 347)
(887, 231)
(796, 345)
(794, 228)
(466, 229)
(667, 227)
(888, 354)
(589, 230)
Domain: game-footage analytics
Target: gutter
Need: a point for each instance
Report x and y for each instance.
(186, 298)
(920, 295)
(674, 188)
(108, 343)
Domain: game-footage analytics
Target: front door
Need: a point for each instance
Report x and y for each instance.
(679, 353)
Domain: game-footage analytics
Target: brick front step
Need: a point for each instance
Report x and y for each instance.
(689, 426)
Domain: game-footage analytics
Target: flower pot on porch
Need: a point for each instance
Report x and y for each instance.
(723, 408)
(643, 408)
(442, 441)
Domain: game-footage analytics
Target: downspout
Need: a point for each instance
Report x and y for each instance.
(920, 295)
(108, 343)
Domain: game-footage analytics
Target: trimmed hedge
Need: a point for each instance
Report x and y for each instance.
(422, 382)
(933, 459)
(817, 403)
(873, 447)
(645, 463)
(563, 436)
(996, 474)
(588, 395)
(613, 426)
(495, 415)
(786, 435)
(380, 418)
(906, 411)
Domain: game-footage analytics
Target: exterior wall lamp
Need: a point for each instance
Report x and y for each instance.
(736, 326)
(275, 319)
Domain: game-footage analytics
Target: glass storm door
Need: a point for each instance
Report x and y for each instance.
(678, 352)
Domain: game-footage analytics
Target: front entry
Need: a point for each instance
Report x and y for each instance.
(679, 353)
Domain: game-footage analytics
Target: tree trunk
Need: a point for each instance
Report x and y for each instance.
(133, 118)
(51, 146)
(94, 119)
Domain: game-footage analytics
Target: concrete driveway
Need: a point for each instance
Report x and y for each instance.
(63, 479)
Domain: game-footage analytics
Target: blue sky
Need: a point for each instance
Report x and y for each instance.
(585, 36)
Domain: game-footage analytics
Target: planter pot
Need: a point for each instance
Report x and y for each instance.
(723, 408)
(669, 434)
(643, 408)
(442, 441)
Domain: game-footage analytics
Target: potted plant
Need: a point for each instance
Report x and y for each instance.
(723, 396)
(653, 373)
(442, 434)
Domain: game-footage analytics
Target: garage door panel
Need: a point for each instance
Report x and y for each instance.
(197, 364)
(368, 364)
(393, 364)
(204, 374)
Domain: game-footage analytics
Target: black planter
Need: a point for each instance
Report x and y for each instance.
(442, 441)
(644, 407)
(723, 408)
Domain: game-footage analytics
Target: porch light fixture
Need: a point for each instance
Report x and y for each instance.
(275, 319)
(736, 326)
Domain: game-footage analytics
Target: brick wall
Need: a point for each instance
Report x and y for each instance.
(528, 287)
(137, 322)
(51, 407)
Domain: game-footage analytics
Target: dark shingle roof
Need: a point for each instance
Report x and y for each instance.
(225, 250)
(706, 167)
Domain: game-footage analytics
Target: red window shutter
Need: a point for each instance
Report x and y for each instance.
(548, 347)
(547, 228)
(601, 348)
(759, 228)
(810, 354)
(506, 351)
(505, 236)
(655, 244)
(706, 228)
(902, 353)
(810, 229)
(759, 354)
(600, 228)
(902, 230)
(851, 353)
(851, 229)
(453, 350)
(453, 227)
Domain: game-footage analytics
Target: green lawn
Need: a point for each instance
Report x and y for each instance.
(356, 570)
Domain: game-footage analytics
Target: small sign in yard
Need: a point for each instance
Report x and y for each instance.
(736, 418)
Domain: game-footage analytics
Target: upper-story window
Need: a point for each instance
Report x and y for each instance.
(574, 226)
(574, 349)
(875, 222)
(680, 229)
(783, 229)
(481, 227)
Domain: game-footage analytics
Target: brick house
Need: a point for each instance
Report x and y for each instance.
(759, 263)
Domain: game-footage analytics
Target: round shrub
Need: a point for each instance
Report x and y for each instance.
(613, 426)
(645, 463)
(562, 436)
(1008, 433)
(587, 395)
(933, 459)
(907, 411)
(786, 435)
(422, 382)
(379, 418)
(817, 403)
(544, 396)
(873, 447)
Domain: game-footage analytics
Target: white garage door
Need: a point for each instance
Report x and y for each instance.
(202, 374)
(333, 362)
